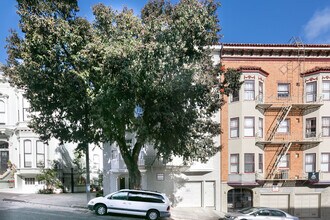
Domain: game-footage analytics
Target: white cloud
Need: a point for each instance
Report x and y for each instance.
(317, 30)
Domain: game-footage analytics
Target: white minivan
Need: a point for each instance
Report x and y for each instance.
(151, 204)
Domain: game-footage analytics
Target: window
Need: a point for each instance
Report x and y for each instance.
(263, 213)
(310, 163)
(26, 109)
(234, 97)
(119, 196)
(30, 181)
(277, 213)
(311, 92)
(234, 127)
(284, 161)
(249, 163)
(261, 163)
(326, 126)
(145, 197)
(40, 154)
(249, 127)
(114, 154)
(261, 92)
(261, 128)
(249, 90)
(325, 162)
(310, 127)
(2, 112)
(284, 126)
(234, 163)
(160, 176)
(326, 89)
(283, 90)
(27, 153)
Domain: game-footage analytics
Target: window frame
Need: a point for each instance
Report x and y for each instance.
(249, 93)
(234, 128)
(261, 128)
(325, 163)
(285, 128)
(261, 91)
(27, 154)
(325, 126)
(260, 163)
(246, 163)
(312, 163)
(325, 91)
(234, 96)
(283, 93)
(234, 164)
(285, 161)
(247, 129)
(40, 154)
(310, 130)
(2, 112)
(311, 96)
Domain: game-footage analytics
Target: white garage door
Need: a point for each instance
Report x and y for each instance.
(190, 195)
(279, 201)
(307, 205)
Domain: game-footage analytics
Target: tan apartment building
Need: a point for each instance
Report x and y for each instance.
(276, 129)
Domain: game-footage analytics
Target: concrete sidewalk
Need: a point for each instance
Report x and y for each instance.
(79, 200)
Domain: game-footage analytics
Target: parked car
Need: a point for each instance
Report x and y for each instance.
(151, 204)
(259, 213)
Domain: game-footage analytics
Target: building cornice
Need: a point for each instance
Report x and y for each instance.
(275, 51)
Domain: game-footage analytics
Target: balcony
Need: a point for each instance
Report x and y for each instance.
(298, 140)
(118, 164)
(302, 103)
(242, 179)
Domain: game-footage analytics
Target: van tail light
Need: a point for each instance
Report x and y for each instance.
(168, 208)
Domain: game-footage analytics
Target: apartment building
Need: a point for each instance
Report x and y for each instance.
(23, 155)
(276, 129)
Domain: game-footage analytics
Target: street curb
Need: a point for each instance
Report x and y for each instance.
(13, 200)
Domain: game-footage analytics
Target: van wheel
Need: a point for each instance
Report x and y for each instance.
(152, 215)
(101, 209)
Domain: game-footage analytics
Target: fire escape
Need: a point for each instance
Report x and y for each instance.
(281, 107)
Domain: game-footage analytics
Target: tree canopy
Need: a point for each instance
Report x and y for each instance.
(84, 79)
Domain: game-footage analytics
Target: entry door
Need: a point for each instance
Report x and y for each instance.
(209, 194)
(4, 157)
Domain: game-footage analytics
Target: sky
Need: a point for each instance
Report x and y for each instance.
(242, 21)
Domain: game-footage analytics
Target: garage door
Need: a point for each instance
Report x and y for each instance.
(190, 195)
(279, 201)
(307, 205)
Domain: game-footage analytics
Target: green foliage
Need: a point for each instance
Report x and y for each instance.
(84, 80)
(50, 177)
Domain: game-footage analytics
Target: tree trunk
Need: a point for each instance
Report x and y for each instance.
(131, 159)
(134, 176)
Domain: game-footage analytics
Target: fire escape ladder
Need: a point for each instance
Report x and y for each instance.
(282, 152)
(280, 117)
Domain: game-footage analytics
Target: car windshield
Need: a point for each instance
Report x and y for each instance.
(247, 210)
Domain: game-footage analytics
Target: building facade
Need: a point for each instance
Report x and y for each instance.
(23, 155)
(276, 129)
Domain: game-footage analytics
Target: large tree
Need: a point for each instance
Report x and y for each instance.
(85, 79)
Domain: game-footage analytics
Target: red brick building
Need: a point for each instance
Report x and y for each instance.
(276, 129)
